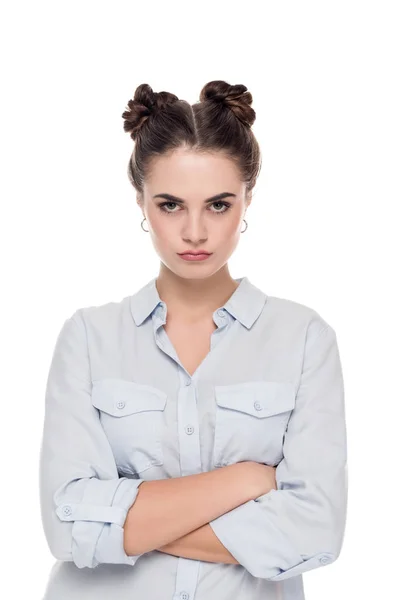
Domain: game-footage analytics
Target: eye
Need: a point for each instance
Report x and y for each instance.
(163, 204)
(225, 205)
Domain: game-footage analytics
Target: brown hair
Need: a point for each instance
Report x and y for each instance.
(159, 123)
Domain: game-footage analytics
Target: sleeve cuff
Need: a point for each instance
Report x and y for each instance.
(98, 521)
(110, 545)
(270, 555)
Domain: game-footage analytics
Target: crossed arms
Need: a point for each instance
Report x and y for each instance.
(185, 505)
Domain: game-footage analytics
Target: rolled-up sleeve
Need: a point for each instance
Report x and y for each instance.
(83, 501)
(300, 525)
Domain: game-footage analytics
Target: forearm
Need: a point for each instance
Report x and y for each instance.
(168, 509)
(201, 544)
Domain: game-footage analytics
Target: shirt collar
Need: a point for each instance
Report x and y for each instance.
(245, 303)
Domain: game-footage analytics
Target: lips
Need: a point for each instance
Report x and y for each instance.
(193, 253)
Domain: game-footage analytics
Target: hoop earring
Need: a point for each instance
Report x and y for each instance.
(246, 226)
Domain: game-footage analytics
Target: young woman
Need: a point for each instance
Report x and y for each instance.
(194, 443)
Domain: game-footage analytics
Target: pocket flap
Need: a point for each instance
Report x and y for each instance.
(257, 398)
(120, 397)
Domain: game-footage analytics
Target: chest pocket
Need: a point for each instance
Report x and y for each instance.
(132, 416)
(250, 421)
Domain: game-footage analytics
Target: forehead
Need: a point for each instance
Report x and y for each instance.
(186, 170)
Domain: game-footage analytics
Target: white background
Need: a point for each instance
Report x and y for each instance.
(323, 227)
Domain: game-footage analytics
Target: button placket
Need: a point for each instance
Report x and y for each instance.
(188, 429)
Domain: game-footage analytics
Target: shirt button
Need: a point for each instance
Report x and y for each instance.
(120, 404)
(189, 429)
(221, 312)
(188, 381)
(184, 595)
(324, 560)
(257, 405)
(67, 510)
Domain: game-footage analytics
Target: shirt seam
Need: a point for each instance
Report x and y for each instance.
(314, 341)
(323, 330)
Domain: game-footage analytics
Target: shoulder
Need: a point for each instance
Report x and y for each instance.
(104, 316)
(291, 314)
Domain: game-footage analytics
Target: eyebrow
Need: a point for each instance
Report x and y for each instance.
(172, 198)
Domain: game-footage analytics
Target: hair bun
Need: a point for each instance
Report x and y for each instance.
(144, 103)
(235, 97)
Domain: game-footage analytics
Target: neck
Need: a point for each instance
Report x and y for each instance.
(194, 299)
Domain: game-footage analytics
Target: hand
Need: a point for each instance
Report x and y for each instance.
(261, 476)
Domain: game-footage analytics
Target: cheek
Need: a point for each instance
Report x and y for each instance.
(162, 235)
(225, 237)
(160, 230)
(230, 230)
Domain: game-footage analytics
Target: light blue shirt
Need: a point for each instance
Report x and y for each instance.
(121, 409)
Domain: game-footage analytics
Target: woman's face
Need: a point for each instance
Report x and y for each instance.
(191, 221)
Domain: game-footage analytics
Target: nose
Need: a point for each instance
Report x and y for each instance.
(194, 229)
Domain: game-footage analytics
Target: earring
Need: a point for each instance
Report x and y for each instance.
(246, 226)
(141, 224)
